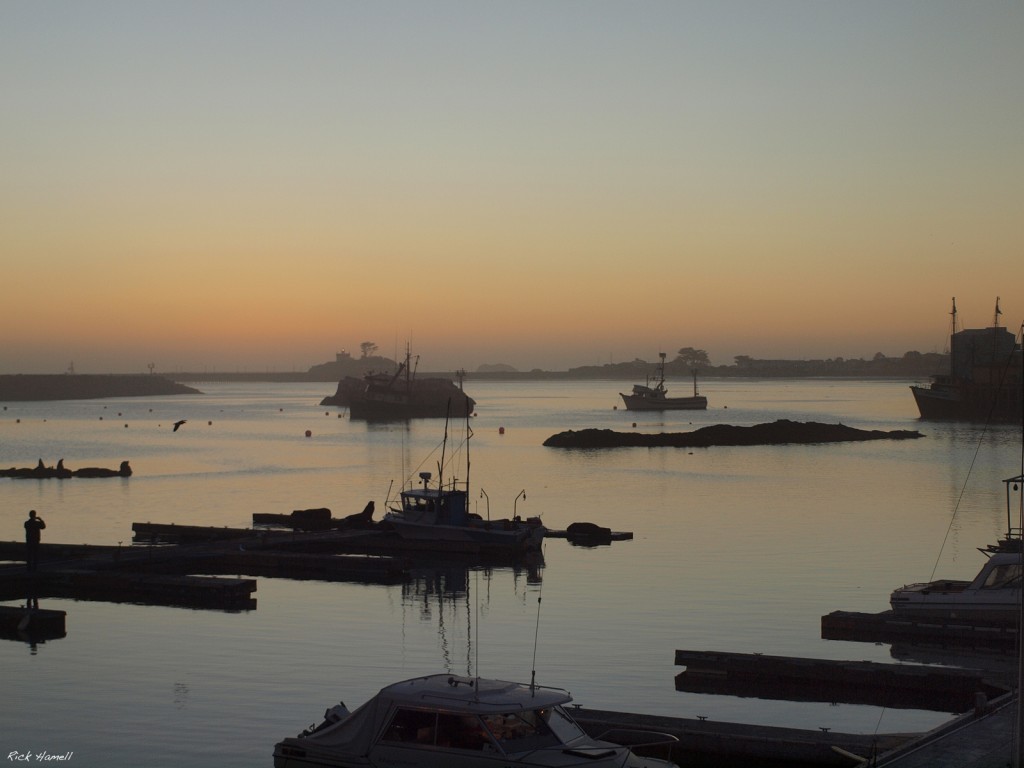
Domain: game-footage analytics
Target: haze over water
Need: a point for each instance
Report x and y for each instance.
(734, 549)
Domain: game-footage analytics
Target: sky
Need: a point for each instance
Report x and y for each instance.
(259, 185)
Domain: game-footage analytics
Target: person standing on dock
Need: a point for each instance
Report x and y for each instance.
(33, 526)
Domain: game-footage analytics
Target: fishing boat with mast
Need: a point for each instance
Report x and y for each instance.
(652, 395)
(439, 515)
(401, 395)
(984, 382)
(448, 721)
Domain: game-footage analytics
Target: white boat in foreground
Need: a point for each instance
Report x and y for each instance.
(446, 721)
(993, 595)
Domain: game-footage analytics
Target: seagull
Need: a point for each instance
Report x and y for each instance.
(178, 424)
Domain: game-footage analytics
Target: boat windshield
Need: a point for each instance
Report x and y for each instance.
(532, 729)
(1003, 577)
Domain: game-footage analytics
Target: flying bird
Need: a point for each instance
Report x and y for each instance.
(178, 424)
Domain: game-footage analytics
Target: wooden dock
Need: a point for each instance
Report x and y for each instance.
(900, 686)
(710, 744)
(887, 627)
(31, 624)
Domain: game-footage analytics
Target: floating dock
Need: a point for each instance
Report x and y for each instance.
(704, 742)
(32, 624)
(901, 686)
(887, 627)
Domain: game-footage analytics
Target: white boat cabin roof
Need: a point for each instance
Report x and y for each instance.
(451, 693)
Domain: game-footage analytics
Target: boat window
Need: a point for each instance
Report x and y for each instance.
(1003, 576)
(561, 723)
(462, 732)
(411, 726)
(523, 730)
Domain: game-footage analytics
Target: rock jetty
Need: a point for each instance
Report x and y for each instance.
(77, 386)
(778, 432)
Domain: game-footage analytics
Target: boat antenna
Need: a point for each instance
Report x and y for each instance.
(444, 446)
(536, 634)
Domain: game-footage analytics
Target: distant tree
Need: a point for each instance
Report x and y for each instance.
(367, 348)
(692, 358)
(879, 357)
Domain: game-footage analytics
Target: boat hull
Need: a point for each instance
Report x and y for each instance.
(965, 403)
(638, 403)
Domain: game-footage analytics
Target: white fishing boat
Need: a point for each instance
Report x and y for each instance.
(993, 595)
(652, 395)
(445, 721)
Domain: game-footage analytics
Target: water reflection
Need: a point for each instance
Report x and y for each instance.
(452, 598)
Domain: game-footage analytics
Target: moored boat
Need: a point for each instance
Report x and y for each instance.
(652, 395)
(449, 721)
(400, 395)
(991, 596)
(984, 382)
(441, 514)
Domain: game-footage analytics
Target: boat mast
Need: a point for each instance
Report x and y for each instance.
(952, 343)
(1018, 752)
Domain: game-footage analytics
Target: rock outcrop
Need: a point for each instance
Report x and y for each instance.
(778, 432)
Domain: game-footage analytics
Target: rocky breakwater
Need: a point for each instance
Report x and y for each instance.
(778, 432)
(77, 386)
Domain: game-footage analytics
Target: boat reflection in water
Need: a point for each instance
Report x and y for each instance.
(450, 722)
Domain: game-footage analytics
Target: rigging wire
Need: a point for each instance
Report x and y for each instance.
(536, 635)
(984, 433)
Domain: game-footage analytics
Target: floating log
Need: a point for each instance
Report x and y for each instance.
(779, 432)
(901, 686)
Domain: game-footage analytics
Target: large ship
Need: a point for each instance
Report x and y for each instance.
(400, 395)
(984, 379)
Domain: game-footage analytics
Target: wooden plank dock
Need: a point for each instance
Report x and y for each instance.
(32, 624)
(887, 627)
(708, 743)
(901, 686)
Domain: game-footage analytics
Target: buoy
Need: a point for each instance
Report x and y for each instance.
(309, 433)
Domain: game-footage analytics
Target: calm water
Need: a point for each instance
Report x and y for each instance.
(735, 549)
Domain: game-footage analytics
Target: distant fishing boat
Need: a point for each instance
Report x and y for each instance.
(652, 395)
(400, 395)
(984, 380)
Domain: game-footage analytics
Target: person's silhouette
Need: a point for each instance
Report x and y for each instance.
(33, 526)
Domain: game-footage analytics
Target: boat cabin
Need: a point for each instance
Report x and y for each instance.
(434, 506)
(451, 721)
